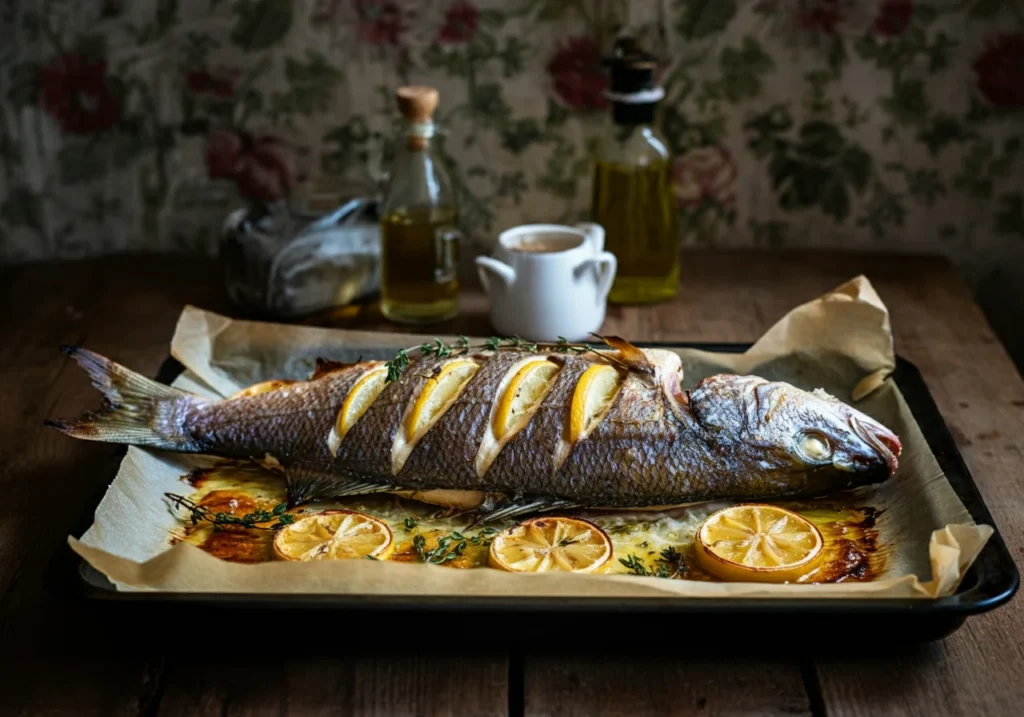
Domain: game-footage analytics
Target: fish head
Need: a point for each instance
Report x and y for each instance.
(784, 430)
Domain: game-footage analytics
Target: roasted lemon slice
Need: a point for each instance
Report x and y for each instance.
(360, 397)
(757, 543)
(525, 391)
(262, 387)
(592, 398)
(334, 535)
(437, 395)
(543, 545)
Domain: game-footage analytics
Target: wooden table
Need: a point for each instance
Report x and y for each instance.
(60, 659)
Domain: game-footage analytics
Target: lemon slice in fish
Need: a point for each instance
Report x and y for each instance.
(592, 398)
(262, 387)
(525, 391)
(757, 543)
(359, 398)
(437, 395)
(544, 545)
(334, 535)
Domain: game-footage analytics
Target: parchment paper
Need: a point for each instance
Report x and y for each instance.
(840, 341)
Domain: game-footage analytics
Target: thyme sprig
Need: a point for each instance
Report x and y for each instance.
(670, 564)
(253, 520)
(450, 547)
(439, 349)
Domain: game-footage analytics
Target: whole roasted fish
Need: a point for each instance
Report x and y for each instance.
(652, 443)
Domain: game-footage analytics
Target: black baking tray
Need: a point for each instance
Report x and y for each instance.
(991, 582)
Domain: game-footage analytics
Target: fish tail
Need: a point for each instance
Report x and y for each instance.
(136, 410)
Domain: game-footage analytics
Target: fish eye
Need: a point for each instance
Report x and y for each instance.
(814, 446)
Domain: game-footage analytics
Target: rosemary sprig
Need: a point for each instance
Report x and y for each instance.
(670, 564)
(249, 520)
(438, 349)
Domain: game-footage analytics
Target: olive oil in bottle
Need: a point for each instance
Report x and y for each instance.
(419, 238)
(632, 186)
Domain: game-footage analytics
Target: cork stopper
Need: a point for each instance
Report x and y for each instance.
(417, 103)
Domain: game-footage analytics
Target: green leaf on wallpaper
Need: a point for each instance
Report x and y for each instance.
(513, 56)
(552, 9)
(557, 115)
(492, 18)
(702, 18)
(310, 86)
(557, 177)
(489, 105)
(80, 162)
(520, 134)
(856, 166)
(771, 234)
(512, 185)
(260, 24)
(939, 52)
(23, 84)
(92, 46)
(884, 208)
(942, 129)
(908, 104)
(1010, 217)
(743, 68)
(166, 15)
(981, 9)
(23, 208)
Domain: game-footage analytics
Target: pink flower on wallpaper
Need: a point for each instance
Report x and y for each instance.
(217, 84)
(258, 165)
(1000, 71)
(460, 23)
(705, 173)
(380, 22)
(75, 91)
(575, 71)
(820, 16)
(894, 17)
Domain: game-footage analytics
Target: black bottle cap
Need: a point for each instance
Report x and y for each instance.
(632, 71)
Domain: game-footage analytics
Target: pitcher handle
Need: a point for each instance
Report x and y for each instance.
(487, 266)
(604, 265)
(595, 234)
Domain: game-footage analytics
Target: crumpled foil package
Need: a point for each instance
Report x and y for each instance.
(286, 264)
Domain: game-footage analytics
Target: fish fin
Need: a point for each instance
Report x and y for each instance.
(306, 485)
(491, 512)
(137, 410)
(634, 358)
(328, 366)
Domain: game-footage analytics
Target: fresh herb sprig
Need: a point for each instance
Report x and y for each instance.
(450, 547)
(439, 349)
(670, 564)
(253, 520)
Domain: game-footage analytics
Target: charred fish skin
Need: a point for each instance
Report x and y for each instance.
(731, 437)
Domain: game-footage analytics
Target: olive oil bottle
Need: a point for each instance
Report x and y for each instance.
(632, 185)
(419, 217)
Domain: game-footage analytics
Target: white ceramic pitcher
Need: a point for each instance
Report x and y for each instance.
(548, 280)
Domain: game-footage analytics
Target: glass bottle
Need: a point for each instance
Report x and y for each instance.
(632, 185)
(419, 238)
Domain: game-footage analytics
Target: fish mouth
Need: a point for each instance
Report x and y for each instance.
(883, 441)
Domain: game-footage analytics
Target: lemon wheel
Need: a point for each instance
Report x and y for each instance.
(757, 543)
(437, 395)
(545, 545)
(334, 535)
(526, 389)
(360, 397)
(592, 398)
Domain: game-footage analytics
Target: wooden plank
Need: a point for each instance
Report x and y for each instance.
(630, 685)
(316, 685)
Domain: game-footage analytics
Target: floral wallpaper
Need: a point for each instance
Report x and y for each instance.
(889, 124)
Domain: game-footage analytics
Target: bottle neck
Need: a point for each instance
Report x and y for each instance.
(632, 114)
(416, 135)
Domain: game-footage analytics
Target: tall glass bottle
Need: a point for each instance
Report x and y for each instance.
(419, 215)
(632, 185)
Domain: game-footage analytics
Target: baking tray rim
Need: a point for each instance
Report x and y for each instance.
(991, 582)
